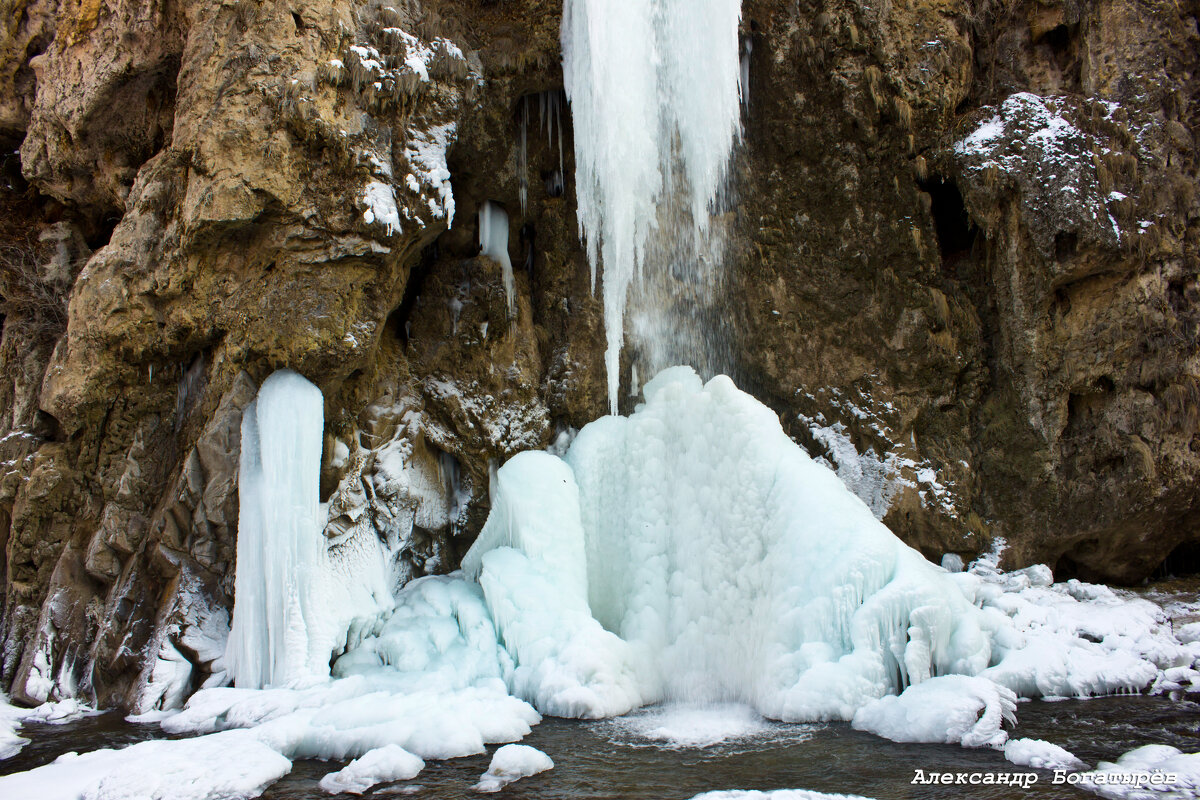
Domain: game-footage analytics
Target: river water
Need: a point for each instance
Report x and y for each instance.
(640, 757)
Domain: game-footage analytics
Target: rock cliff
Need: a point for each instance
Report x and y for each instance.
(965, 271)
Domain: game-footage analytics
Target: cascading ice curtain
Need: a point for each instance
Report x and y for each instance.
(653, 87)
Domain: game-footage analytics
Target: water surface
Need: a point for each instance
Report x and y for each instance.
(670, 754)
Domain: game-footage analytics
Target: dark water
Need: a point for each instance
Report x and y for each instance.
(599, 761)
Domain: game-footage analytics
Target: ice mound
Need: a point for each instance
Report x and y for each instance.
(381, 765)
(1041, 755)
(530, 561)
(693, 552)
(1152, 772)
(511, 763)
(952, 709)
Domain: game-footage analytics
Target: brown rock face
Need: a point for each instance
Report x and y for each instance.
(965, 270)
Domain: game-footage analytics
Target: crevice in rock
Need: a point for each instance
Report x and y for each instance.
(1058, 45)
(956, 232)
(1065, 245)
(47, 427)
(397, 321)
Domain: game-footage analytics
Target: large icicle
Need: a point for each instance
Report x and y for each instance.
(653, 87)
(493, 242)
(279, 537)
(297, 600)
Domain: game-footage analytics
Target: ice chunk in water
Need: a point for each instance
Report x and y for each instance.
(510, 763)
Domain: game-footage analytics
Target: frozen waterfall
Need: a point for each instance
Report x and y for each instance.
(296, 603)
(653, 87)
(688, 552)
(693, 552)
(278, 533)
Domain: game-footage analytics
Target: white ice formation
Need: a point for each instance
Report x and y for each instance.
(689, 552)
(1040, 755)
(511, 763)
(295, 602)
(493, 242)
(655, 104)
(381, 765)
(951, 709)
(1142, 774)
(738, 570)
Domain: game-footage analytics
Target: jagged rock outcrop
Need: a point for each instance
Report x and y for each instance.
(965, 271)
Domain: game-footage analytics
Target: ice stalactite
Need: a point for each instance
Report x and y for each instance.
(549, 119)
(654, 99)
(744, 71)
(493, 242)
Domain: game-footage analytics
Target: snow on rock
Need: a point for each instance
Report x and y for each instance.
(951, 709)
(379, 207)
(425, 150)
(510, 763)
(1152, 772)
(222, 766)
(381, 765)
(876, 478)
(1075, 639)
(778, 794)
(506, 426)
(1040, 755)
(1033, 142)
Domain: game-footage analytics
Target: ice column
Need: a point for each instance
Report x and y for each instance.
(653, 87)
(493, 242)
(280, 546)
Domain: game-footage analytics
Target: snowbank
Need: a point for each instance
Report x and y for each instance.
(221, 766)
(53, 713)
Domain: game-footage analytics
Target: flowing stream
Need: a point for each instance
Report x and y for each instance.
(615, 759)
